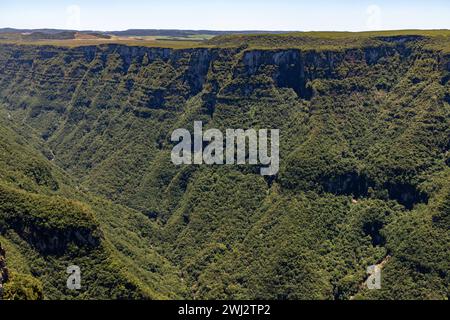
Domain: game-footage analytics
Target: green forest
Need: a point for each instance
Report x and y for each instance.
(86, 176)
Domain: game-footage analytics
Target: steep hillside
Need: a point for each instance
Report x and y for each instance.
(47, 224)
(365, 129)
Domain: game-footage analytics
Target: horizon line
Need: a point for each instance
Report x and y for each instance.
(219, 30)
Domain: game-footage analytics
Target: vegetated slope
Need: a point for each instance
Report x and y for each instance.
(48, 224)
(364, 159)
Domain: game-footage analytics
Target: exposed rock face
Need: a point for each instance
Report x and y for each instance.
(291, 70)
(295, 68)
(407, 194)
(401, 39)
(49, 225)
(56, 241)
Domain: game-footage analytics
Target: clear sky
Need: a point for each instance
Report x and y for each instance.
(299, 15)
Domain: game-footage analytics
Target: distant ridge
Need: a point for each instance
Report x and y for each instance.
(47, 31)
(183, 33)
(144, 32)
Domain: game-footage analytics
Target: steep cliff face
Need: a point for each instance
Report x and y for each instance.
(48, 224)
(295, 69)
(77, 92)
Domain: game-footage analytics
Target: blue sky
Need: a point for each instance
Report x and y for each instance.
(350, 15)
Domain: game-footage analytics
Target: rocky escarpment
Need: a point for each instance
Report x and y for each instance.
(183, 72)
(93, 91)
(295, 68)
(48, 224)
(51, 241)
